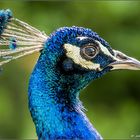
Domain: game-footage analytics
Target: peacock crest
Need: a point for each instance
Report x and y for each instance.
(18, 38)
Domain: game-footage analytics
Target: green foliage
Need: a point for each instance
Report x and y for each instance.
(113, 102)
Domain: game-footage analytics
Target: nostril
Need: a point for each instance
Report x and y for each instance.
(121, 56)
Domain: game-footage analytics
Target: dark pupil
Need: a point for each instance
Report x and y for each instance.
(90, 51)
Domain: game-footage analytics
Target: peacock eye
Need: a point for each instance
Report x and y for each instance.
(89, 51)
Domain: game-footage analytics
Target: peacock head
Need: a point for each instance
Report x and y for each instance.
(79, 54)
(76, 54)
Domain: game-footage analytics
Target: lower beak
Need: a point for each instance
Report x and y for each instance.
(123, 61)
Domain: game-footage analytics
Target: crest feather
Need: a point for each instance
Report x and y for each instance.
(18, 38)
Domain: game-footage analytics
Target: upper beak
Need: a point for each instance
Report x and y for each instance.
(123, 61)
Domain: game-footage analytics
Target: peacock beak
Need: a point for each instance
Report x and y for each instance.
(123, 61)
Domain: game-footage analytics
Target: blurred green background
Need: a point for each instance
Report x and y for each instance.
(113, 102)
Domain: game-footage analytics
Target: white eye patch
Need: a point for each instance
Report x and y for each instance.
(73, 52)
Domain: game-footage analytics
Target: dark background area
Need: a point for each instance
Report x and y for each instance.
(113, 101)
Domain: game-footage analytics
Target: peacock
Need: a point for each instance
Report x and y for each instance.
(70, 58)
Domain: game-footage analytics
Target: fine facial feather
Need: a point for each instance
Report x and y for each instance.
(73, 52)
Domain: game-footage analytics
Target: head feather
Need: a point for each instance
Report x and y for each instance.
(18, 38)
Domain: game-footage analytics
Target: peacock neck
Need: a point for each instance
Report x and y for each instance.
(55, 107)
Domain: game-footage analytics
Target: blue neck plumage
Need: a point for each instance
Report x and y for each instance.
(54, 101)
(55, 110)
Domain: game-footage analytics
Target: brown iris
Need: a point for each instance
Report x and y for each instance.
(89, 51)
